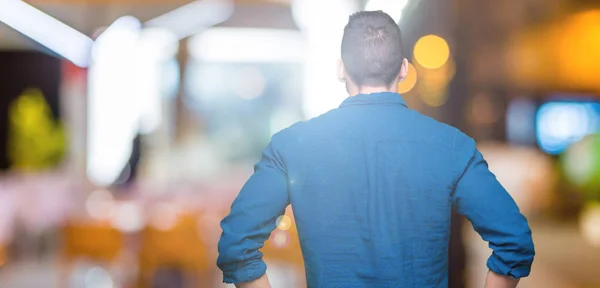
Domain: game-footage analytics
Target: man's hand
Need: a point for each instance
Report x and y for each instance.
(262, 282)
(494, 280)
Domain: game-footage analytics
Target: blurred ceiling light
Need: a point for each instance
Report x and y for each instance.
(194, 17)
(156, 47)
(409, 82)
(123, 32)
(431, 51)
(46, 30)
(158, 43)
(125, 86)
(113, 120)
(247, 45)
(391, 7)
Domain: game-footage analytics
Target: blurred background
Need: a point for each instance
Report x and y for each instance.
(127, 127)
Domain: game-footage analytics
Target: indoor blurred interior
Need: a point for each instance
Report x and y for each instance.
(127, 127)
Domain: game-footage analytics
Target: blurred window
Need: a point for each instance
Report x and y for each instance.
(242, 104)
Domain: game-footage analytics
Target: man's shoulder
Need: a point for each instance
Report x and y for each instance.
(442, 130)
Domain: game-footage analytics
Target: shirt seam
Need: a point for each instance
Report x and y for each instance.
(464, 169)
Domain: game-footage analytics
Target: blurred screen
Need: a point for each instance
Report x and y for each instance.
(563, 122)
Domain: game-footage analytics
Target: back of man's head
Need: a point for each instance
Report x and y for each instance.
(372, 48)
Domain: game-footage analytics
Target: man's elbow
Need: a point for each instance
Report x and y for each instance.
(238, 264)
(229, 258)
(526, 249)
(224, 261)
(529, 249)
(515, 261)
(241, 271)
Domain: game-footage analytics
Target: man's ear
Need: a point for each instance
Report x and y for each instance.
(403, 70)
(341, 71)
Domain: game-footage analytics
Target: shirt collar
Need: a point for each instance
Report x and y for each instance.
(382, 98)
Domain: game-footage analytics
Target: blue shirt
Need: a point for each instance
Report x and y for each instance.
(372, 185)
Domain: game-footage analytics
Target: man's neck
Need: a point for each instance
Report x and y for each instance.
(373, 89)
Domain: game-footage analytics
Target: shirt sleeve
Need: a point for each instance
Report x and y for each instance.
(494, 214)
(253, 217)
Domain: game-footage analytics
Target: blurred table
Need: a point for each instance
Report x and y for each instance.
(563, 259)
(563, 252)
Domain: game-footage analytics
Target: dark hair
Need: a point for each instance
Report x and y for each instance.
(372, 48)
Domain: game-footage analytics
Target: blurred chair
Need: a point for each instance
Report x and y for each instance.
(3, 256)
(95, 241)
(179, 247)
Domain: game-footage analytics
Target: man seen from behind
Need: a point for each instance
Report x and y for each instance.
(372, 184)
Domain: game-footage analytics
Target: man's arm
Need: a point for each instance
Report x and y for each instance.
(494, 214)
(262, 282)
(495, 280)
(251, 220)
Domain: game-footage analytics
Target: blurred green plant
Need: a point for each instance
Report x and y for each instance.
(36, 141)
(581, 166)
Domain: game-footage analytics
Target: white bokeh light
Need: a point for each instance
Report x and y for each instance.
(128, 217)
(100, 205)
(323, 24)
(391, 7)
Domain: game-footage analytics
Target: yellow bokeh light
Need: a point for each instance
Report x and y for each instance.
(433, 97)
(284, 222)
(577, 50)
(574, 54)
(439, 77)
(410, 80)
(431, 51)
(432, 86)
